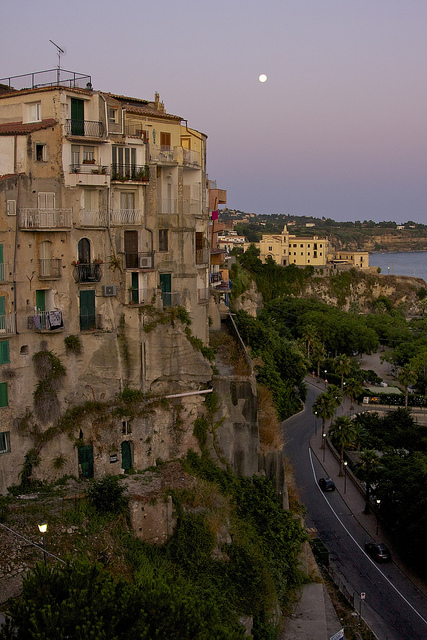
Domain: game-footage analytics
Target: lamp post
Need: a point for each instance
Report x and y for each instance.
(345, 476)
(315, 423)
(324, 445)
(43, 528)
(326, 382)
(378, 508)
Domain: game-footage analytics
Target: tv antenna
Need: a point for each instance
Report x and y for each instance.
(59, 50)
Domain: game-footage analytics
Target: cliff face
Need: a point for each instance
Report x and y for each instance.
(378, 240)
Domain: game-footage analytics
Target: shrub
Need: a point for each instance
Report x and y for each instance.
(106, 495)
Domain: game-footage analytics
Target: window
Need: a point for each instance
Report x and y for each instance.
(84, 251)
(127, 200)
(24, 350)
(89, 154)
(270, 248)
(3, 394)
(75, 155)
(11, 207)
(41, 153)
(302, 253)
(4, 441)
(33, 112)
(113, 114)
(45, 200)
(4, 351)
(90, 200)
(126, 427)
(163, 239)
(165, 140)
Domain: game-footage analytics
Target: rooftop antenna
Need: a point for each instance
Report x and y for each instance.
(59, 50)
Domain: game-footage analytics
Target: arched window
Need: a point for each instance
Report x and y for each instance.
(84, 251)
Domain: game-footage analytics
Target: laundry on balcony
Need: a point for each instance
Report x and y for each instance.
(54, 320)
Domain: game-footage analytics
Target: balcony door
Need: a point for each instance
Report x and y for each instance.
(45, 259)
(131, 249)
(2, 314)
(166, 286)
(87, 310)
(77, 117)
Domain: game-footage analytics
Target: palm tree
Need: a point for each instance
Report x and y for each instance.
(407, 376)
(353, 388)
(324, 406)
(369, 462)
(309, 336)
(343, 435)
(318, 353)
(343, 366)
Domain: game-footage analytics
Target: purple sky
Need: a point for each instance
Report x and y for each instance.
(338, 130)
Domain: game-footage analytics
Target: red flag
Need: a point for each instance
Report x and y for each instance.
(214, 215)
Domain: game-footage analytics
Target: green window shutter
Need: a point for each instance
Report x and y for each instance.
(4, 351)
(126, 455)
(86, 461)
(3, 394)
(87, 310)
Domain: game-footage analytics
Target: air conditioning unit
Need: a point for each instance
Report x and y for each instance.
(145, 262)
(109, 290)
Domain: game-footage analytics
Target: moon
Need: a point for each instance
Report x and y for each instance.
(262, 77)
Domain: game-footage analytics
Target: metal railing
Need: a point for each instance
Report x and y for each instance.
(46, 320)
(171, 298)
(139, 260)
(202, 296)
(139, 296)
(8, 323)
(192, 205)
(133, 172)
(216, 277)
(162, 155)
(45, 219)
(191, 157)
(126, 216)
(89, 167)
(48, 78)
(87, 272)
(203, 255)
(50, 268)
(93, 218)
(86, 128)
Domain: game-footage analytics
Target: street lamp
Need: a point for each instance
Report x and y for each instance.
(324, 445)
(345, 476)
(315, 423)
(326, 382)
(43, 528)
(378, 508)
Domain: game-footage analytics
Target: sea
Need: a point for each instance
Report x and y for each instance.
(404, 263)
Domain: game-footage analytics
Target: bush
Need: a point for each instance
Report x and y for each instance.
(106, 495)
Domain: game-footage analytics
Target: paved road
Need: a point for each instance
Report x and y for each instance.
(394, 607)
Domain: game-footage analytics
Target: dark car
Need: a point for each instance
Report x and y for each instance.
(378, 551)
(327, 484)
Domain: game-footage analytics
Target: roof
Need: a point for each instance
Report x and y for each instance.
(20, 128)
(142, 107)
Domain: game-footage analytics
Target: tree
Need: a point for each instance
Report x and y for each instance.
(368, 465)
(318, 354)
(407, 376)
(353, 389)
(343, 435)
(309, 335)
(324, 406)
(343, 367)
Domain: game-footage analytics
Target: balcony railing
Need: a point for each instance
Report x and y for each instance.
(130, 172)
(139, 260)
(171, 298)
(216, 277)
(8, 323)
(89, 167)
(126, 216)
(46, 321)
(203, 255)
(192, 205)
(46, 219)
(87, 272)
(85, 128)
(135, 131)
(203, 296)
(167, 205)
(191, 158)
(93, 218)
(139, 296)
(162, 155)
(50, 269)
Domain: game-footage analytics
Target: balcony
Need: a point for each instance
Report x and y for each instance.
(139, 260)
(171, 298)
(45, 219)
(46, 321)
(203, 255)
(130, 173)
(121, 217)
(167, 205)
(140, 296)
(135, 131)
(215, 278)
(87, 272)
(84, 128)
(93, 218)
(191, 158)
(192, 205)
(202, 296)
(88, 173)
(50, 269)
(8, 323)
(162, 155)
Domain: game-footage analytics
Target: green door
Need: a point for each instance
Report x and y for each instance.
(2, 314)
(135, 287)
(1, 264)
(86, 461)
(126, 455)
(166, 286)
(77, 117)
(41, 300)
(87, 310)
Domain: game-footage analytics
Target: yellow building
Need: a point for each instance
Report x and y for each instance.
(286, 249)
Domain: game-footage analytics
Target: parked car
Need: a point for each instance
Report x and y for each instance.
(383, 384)
(378, 551)
(327, 484)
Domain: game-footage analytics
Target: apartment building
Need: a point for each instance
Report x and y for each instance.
(104, 214)
(286, 249)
